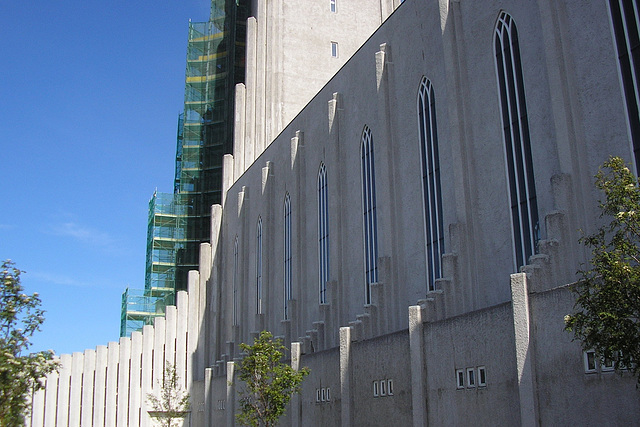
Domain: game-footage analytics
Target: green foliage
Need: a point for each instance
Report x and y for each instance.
(607, 311)
(20, 373)
(269, 383)
(173, 403)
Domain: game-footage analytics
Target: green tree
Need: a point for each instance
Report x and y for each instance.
(269, 383)
(607, 310)
(20, 372)
(173, 403)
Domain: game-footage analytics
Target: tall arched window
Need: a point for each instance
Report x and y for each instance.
(369, 222)
(431, 190)
(235, 282)
(287, 254)
(259, 267)
(323, 233)
(624, 16)
(517, 142)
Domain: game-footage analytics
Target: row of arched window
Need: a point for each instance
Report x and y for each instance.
(519, 170)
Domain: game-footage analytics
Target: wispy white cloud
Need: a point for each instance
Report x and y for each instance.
(54, 279)
(83, 234)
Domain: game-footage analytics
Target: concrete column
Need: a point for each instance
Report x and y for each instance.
(135, 375)
(100, 385)
(37, 409)
(205, 274)
(214, 291)
(122, 417)
(418, 377)
(113, 352)
(345, 375)
(182, 303)
(299, 208)
(170, 335)
(64, 386)
(75, 392)
(524, 353)
(158, 352)
(261, 78)
(251, 76)
(295, 405)
(208, 404)
(88, 374)
(239, 129)
(147, 373)
(51, 399)
(193, 327)
(231, 394)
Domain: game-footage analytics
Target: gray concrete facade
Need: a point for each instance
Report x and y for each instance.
(486, 345)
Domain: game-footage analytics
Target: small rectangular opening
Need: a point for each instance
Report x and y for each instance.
(383, 388)
(328, 394)
(317, 395)
(482, 376)
(389, 387)
(590, 361)
(323, 397)
(471, 377)
(333, 5)
(334, 49)
(606, 364)
(459, 378)
(376, 393)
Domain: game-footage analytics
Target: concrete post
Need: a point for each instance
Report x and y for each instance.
(123, 383)
(418, 377)
(147, 375)
(524, 354)
(112, 385)
(75, 393)
(345, 375)
(296, 352)
(100, 385)
(87, 387)
(51, 397)
(231, 395)
(135, 396)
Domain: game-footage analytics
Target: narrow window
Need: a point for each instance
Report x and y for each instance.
(431, 190)
(459, 378)
(370, 225)
(317, 395)
(606, 364)
(522, 190)
(471, 377)
(334, 49)
(323, 233)
(287, 254)
(328, 394)
(376, 393)
(389, 387)
(624, 16)
(589, 361)
(259, 267)
(332, 5)
(482, 376)
(235, 282)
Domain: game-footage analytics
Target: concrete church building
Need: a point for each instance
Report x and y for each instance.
(411, 233)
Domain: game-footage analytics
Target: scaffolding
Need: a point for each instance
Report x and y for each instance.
(180, 222)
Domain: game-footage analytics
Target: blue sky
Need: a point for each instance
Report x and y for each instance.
(90, 92)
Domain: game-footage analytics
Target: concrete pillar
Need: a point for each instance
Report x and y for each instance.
(239, 129)
(135, 375)
(147, 373)
(159, 327)
(37, 409)
(418, 377)
(88, 374)
(214, 291)
(75, 392)
(208, 404)
(64, 386)
(231, 394)
(295, 405)
(170, 335)
(228, 168)
(193, 326)
(250, 78)
(51, 399)
(122, 417)
(204, 274)
(182, 303)
(100, 385)
(113, 352)
(524, 353)
(345, 375)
